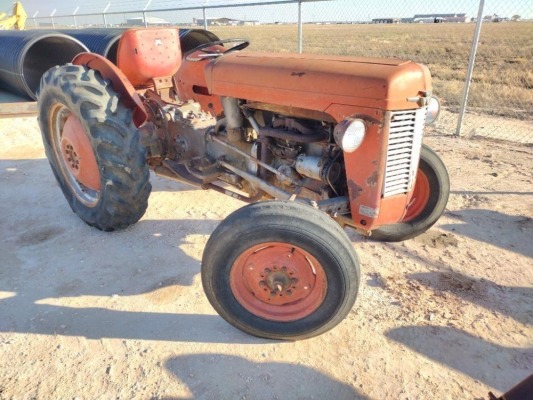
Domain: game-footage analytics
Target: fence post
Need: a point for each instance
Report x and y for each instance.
(34, 21)
(144, 13)
(52, 18)
(103, 14)
(205, 19)
(300, 31)
(471, 63)
(74, 17)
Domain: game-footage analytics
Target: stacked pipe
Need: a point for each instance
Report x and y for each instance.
(191, 38)
(26, 55)
(98, 40)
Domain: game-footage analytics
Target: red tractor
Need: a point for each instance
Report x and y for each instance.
(314, 143)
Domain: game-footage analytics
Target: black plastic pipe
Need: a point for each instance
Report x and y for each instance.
(26, 55)
(104, 41)
(191, 38)
(98, 40)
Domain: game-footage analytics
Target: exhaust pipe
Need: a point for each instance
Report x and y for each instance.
(27, 55)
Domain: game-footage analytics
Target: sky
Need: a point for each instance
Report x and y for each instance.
(334, 10)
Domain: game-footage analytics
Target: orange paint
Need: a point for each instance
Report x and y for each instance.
(145, 54)
(317, 82)
(333, 87)
(78, 155)
(278, 281)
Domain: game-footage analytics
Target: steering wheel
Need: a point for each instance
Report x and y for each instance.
(210, 54)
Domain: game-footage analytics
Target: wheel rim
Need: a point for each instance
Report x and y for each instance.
(420, 197)
(75, 155)
(278, 281)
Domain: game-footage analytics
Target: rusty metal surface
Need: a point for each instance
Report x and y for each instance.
(335, 206)
(144, 54)
(77, 154)
(192, 85)
(316, 136)
(278, 281)
(317, 82)
(290, 110)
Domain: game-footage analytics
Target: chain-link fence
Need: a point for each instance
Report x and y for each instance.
(438, 34)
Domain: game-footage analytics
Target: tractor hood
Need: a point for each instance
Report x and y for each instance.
(316, 82)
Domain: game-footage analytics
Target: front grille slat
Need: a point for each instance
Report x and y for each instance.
(403, 150)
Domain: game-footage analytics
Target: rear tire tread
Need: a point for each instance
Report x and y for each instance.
(125, 186)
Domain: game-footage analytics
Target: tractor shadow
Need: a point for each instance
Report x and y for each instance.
(509, 232)
(89, 288)
(507, 300)
(58, 276)
(467, 354)
(229, 377)
(511, 301)
(162, 184)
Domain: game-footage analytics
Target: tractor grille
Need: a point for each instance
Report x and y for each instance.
(403, 152)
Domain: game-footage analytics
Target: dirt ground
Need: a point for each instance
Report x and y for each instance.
(92, 315)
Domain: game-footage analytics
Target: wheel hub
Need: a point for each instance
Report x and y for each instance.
(78, 155)
(279, 282)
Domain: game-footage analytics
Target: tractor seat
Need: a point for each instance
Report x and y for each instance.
(145, 54)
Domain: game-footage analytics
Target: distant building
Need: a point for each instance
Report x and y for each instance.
(223, 22)
(150, 21)
(386, 20)
(500, 19)
(435, 18)
(494, 18)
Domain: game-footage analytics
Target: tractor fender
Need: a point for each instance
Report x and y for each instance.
(129, 97)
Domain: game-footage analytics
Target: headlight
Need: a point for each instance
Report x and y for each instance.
(349, 134)
(432, 110)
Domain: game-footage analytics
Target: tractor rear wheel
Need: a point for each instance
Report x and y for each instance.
(280, 270)
(431, 192)
(93, 147)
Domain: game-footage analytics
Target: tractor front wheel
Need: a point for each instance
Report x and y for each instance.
(431, 192)
(280, 270)
(93, 147)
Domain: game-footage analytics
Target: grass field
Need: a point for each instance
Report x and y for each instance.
(503, 75)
